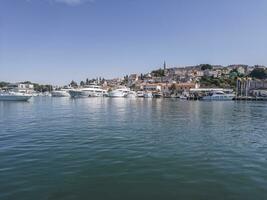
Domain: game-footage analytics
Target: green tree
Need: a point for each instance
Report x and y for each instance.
(158, 73)
(73, 83)
(205, 66)
(42, 88)
(3, 84)
(82, 83)
(142, 77)
(126, 79)
(259, 73)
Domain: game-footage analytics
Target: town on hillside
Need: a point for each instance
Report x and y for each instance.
(189, 81)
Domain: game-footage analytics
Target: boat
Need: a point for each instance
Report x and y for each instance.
(140, 94)
(183, 97)
(158, 95)
(119, 92)
(219, 96)
(60, 93)
(88, 91)
(131, 94)
(14, 96)
(46, 94)
(148, 95)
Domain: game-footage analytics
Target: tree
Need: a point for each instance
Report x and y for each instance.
(82, 83)
(172, 88)
(205, 66)
(87, 82)
(126, 78)
(42, 88)
(259, 73)
(134, 87)
(3, 84)
(142, 77)
(158, 73)
(73, 84)
(26, 82)
(102, 80)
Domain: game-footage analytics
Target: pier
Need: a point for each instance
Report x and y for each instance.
(249, 98)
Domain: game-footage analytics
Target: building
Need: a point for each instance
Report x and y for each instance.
(260, 92)
(133, 77)
(213, 73)
(177, 89)
(22, 87)
(151, 87)
(249, 87)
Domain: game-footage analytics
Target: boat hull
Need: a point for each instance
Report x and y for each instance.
(78, 94)
(148, 95)
(85, 94)
(117, 94)
(218, 98)
(14, 98)
(60, 94)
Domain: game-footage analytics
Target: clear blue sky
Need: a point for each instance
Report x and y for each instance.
(55, 41)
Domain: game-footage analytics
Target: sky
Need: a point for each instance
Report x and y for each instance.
(56, 41)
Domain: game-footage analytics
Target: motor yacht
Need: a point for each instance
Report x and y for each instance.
(183, 97)
(119, 92)
(60, 93)
(158, 95)
(148, 95)
(14, 96)
(88, 91)
(140, 94)
(131, 94)
(219, 96)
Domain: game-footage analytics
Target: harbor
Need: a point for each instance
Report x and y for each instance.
(199, 82)
(133, 100)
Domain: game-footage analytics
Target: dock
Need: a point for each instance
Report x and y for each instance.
(249, 98)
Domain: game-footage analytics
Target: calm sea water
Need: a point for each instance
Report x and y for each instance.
(101, 148)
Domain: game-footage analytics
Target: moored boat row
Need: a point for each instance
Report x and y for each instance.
(119, 92)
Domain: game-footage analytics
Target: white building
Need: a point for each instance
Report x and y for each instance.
(151, 87)
(22, 87)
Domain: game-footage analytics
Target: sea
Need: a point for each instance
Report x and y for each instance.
(120, 148)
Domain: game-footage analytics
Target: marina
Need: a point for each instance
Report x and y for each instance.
(210, 95)
(133, 100)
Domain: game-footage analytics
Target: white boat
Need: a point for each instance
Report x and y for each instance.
(60, 93)
(47, 94)
(119, 92)
(14, 96)
(140, 93)
(88, 91)
(148, 95)
(158, 95)
(183, 97)
(132, 94)
(219, 96)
